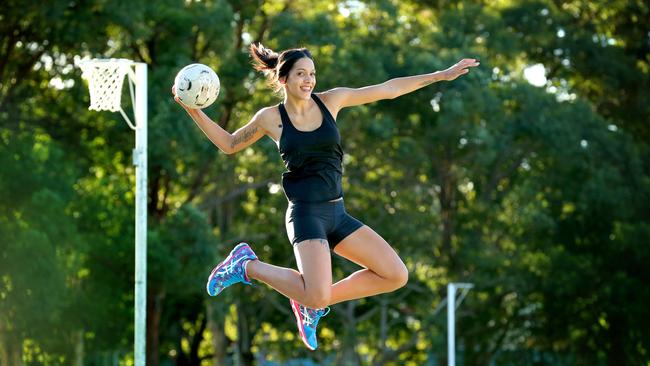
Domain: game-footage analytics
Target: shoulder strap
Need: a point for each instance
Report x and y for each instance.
(286, 121)
(323, 107)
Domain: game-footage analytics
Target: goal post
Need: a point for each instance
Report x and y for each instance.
(452, 305)
(105, 78)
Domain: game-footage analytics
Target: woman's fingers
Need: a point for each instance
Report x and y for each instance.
(176, 98)
(463, 65)
(469, 62)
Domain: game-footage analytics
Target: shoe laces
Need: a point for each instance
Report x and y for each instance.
(226, 270)
(311, 316)
(229, 269)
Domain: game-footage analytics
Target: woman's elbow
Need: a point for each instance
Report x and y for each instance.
(229, 147)
(228, 150)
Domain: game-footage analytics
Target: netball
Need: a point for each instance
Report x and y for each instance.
(197, 86)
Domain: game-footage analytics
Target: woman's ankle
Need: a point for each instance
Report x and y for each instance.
(247, 269)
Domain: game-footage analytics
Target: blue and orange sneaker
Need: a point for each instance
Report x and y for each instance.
(231, 270)
(307, 320)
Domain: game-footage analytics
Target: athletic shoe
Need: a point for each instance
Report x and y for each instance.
(307, 320)
(231, 270)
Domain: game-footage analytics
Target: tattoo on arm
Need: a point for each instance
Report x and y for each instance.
(244, 136)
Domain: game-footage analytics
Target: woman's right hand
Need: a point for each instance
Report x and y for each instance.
(460, 68)
(176, 98)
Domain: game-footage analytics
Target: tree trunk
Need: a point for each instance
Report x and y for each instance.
(246, 357)
(79, 348)
(446, 199)
(16, 353)
(154, 313)
(216, 323)
(4, 354)
(616, 335)
(383, 325)
(383, 332)
(348, 355)
(216, 326)
(195, 343)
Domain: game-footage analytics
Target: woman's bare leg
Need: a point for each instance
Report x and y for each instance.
(384, 270)
(311, 284)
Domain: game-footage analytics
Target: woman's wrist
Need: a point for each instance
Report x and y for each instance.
(441, 75)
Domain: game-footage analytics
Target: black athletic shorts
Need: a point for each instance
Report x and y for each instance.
(323, 220)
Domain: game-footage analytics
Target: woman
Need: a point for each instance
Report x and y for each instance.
(304, 128)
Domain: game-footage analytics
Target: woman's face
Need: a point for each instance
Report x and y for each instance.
(301, 79)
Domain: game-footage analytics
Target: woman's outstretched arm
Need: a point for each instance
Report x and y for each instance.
(393, 88)
(224, 140)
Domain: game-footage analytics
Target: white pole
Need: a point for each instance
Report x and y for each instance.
(451, 317)
(140, 162)
(451, 325)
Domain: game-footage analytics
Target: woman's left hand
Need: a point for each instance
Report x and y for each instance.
(460, 68)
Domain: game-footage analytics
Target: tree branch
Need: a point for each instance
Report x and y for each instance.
(217, 201)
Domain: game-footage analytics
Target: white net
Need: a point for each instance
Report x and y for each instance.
(105, 78)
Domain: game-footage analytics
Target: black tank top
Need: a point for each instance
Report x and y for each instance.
(313, 159)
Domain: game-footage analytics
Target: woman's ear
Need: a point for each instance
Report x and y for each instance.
(282, 80)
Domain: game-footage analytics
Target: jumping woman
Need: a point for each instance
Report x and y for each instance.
(304, 128)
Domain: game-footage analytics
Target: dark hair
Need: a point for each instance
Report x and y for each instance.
(276, 65)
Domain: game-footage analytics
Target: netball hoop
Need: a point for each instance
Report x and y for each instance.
(105, 79)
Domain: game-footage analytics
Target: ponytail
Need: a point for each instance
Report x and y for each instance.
(264, 59)
(274, 65)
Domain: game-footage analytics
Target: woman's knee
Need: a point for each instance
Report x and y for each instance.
(399, 275)
(317, 298)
